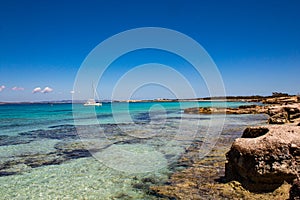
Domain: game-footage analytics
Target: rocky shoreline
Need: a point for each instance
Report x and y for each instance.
(263, 164)
(251, 109)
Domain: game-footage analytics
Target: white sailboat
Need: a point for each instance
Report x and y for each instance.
(93, 102)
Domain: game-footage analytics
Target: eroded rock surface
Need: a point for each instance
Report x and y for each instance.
(263, 163)
(284, 114)
(295, 191)
(281, 100)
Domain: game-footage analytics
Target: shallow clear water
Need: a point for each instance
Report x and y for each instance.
(43, 151)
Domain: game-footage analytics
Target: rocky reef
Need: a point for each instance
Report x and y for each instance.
(203, 178)
(63, 144)
(263, 164)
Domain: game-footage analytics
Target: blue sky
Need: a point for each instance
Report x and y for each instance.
(255, 44)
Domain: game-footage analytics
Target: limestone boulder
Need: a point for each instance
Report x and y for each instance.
(265, 157)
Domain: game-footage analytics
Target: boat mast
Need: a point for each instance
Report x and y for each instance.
(95, 92)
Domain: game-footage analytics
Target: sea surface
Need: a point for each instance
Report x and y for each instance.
(116, 151)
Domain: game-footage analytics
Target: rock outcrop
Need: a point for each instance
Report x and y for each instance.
(263, 163)
(284, 114)
(279, 114)
(281, 100)
(246, 109)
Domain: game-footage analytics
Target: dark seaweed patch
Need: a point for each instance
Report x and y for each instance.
(131, 141)
(13, 140)
(112, 129)
(144, 117)
(65, 131)
(104, 116)
(77, 153)
(39, 160)
(62, 126)
(4, 173)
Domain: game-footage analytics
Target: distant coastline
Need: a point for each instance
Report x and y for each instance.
(252, 98)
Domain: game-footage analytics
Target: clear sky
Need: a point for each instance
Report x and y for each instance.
(254, 43)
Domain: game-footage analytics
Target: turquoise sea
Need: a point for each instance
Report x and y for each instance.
(116, 151)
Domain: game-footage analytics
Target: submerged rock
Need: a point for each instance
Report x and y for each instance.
(64, 151)
(263, 163)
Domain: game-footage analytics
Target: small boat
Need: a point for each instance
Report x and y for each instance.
(93, 102)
